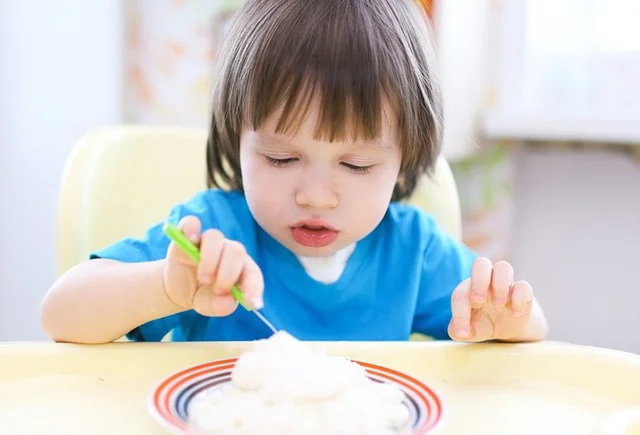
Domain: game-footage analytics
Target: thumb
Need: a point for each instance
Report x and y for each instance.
(190, 226)
(481, 329)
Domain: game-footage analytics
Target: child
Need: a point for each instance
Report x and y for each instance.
(325, 115)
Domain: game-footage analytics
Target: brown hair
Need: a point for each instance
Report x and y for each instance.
(352, 54)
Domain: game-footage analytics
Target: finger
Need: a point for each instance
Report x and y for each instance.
(220, 291)
(230, 267)
(190, 227)
(211, 247)
(461, 311)
(501, 282)
(480, 281)
(521, 298)
(482, 327)
(223, 305)
(208, 304)
(252, 283)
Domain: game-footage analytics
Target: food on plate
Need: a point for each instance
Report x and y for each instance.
(282, 386)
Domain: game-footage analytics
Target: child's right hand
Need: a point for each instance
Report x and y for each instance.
(206, 287)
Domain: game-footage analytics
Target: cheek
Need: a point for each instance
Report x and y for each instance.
(378, 203)
(260, 181)
(372, 192)
(385, 182)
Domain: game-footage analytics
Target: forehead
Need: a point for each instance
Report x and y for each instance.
(309, 126)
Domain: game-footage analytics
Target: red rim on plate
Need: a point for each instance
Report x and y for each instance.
(169, 402)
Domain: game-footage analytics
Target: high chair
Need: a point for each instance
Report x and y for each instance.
(120, 180)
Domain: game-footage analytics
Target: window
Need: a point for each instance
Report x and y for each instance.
(567, 69)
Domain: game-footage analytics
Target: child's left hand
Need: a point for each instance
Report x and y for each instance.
(490, 305)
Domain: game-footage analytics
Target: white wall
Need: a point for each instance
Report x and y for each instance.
(577, 214)
(60, 74)
(462, 45)
(577, 240)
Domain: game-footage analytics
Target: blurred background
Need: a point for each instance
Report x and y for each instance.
(542, 101)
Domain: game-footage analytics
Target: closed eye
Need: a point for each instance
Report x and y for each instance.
(279, 163)
(357, 169)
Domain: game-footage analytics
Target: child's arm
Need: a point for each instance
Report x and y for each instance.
(467, 298)
(99, 301)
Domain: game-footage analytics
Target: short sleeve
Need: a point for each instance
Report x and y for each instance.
(447, 262)
(153, 246)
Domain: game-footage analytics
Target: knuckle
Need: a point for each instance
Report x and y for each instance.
(210, 246)
(235, 248)
(257, 272)
(518, 303)
(213, 235)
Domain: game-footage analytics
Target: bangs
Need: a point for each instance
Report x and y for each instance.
(328, 51)
(353, 58)
(332, 61)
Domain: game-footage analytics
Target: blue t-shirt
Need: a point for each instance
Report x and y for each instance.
(398, 280)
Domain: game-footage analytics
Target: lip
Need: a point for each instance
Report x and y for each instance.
(314, 223)
(314, 233)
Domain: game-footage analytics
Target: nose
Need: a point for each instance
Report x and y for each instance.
(316, 192)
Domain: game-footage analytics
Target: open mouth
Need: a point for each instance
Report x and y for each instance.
(314, 227)
(314, 234)
(314, 224)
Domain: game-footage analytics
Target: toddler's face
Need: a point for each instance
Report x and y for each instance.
(316, 197)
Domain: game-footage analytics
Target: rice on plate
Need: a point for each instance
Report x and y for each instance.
(283, 387)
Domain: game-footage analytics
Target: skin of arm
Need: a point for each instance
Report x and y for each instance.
(99, 301)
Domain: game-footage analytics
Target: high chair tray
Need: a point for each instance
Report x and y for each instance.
(540, 388)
